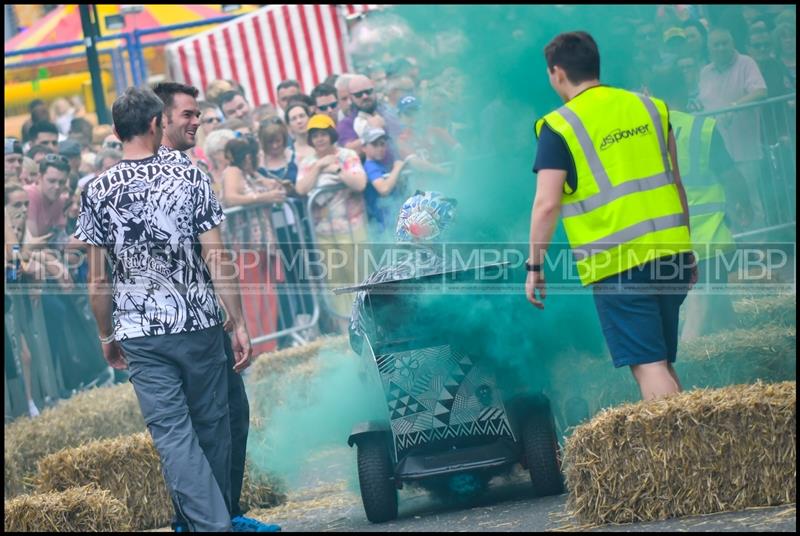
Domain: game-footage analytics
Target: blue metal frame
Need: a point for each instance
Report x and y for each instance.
(133, 46)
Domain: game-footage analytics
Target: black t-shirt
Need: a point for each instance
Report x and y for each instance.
(552, 153)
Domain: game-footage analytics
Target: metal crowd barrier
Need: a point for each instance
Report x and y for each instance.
(324, 235)
(773, 178)
(298, 306)
(46, 384)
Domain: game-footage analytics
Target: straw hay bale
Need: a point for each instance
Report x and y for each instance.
(95, 414)
(756, 311)
(738, 356)
(83, 509)
(130, 468)
(697, 452)
(277, 362)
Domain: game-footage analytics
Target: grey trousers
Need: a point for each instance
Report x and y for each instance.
(239, 416)
(182, 387)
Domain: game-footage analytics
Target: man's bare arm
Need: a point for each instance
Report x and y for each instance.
(223, 273)
(546, 207)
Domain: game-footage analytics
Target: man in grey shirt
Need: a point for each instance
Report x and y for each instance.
(156, 221)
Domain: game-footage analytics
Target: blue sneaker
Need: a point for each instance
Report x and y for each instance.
(248, 524)
(180, 527)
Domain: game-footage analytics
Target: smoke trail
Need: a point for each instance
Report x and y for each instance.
(487, 76)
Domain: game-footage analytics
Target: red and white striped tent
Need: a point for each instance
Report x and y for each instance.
(259, 50)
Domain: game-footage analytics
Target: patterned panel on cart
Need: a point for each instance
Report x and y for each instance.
(437, 393)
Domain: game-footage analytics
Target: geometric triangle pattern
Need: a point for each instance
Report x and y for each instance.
(401, 403)
(431, 394)
(493, 427)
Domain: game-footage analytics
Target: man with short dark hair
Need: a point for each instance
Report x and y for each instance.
(46, 205)
(326, 101)
(182, 119)
(625, 214)
(235, 106)
(44, 133)
(151, 218)
(285, 90)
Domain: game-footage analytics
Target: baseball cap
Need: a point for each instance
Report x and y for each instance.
(12, 145)
(407, 104)
(69, 148)
(321, 121)
(372, 134)
(673, 32)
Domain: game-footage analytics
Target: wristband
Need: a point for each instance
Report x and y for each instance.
(107, 340)
(533, 267)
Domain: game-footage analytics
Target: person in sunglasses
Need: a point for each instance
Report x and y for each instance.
(210, 120)
(370, 114)
(326, 100)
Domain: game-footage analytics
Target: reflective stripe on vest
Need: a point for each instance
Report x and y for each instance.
(706, 208)
(630, 233)
(693, 140)
(705, 195)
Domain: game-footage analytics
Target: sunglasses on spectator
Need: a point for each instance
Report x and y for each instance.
(113, 145)
(20, 204)
(331, 106)
(359, 94)
(209, 120)
(56, 159)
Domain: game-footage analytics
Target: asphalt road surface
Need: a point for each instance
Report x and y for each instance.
(328, 500)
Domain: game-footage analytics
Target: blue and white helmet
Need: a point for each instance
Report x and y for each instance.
(424, 216)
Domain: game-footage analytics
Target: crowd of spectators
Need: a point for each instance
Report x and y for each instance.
(378, 134)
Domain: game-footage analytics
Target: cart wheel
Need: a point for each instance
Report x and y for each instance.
(541, 450)
(375, 477)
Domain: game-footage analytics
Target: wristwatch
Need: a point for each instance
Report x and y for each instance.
(533, 267)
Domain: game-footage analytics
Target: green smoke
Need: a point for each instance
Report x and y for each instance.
(488, 63)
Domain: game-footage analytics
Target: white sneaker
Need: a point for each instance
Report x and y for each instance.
(33, 411)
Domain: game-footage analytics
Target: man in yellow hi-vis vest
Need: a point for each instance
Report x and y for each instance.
(603, 163)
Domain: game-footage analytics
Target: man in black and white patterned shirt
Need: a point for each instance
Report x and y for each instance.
(181, 121)
(156, 221)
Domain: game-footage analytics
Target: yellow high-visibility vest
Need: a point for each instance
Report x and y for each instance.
(706, 196)
(626, 209)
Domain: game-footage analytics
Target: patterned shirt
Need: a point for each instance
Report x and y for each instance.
(173, 156)
(148, 215)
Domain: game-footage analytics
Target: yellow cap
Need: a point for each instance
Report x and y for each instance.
(320, 121)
